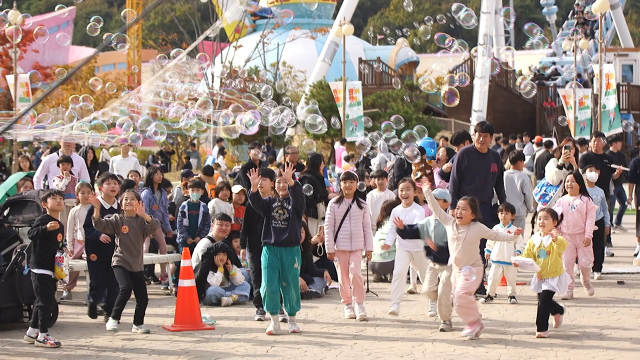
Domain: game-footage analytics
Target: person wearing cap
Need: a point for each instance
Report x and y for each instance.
(438, 279)
(238, 199)
(123, 163)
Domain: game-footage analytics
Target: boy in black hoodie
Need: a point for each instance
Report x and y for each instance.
(46, 235)
(281, 258)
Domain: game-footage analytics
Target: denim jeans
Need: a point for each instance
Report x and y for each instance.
(620, 195)
(215, 293)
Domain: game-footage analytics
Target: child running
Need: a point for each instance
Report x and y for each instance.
(281, 258)
(131, 228)
(408, 251)
(500, 253)
(578, 224)
(464, 232)
(348, 233)
(546, 248)
(46, 236)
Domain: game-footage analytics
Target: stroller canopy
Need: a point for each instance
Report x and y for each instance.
(9, 188)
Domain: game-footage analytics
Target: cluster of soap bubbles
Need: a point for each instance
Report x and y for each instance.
(537, 40)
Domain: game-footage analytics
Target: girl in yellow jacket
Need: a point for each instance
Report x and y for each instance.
(546, 247)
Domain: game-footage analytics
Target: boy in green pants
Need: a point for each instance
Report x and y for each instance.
(281, 256)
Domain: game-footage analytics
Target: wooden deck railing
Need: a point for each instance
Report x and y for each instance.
(378, 74)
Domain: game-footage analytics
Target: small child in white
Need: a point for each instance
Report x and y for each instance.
(500, 253)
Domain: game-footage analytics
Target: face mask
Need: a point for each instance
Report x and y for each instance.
(592, 176)
(195, 196)
(141, 184)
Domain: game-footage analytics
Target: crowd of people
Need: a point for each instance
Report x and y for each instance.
(275, 233)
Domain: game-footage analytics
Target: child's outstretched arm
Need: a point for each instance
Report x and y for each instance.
(491, 234)
(444, 218)
(255, 199)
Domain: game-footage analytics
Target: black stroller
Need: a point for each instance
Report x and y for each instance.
(16, 289)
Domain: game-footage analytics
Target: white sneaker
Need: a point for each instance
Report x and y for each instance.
(349, 313)
(226, 301)
(608, 252)
(636, 251)
(394, 310)
(412, 289)
(361, 315)
(140, 329)
(433, 310)
(66, 295)
(112, 325)
(31, 335)
(620, 228)
(636, 261)
(597, 276)
(568, 295)
(293, 326)
(273, 328)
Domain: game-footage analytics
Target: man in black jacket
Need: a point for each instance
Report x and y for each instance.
(254, 162)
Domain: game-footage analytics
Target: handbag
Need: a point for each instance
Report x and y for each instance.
(545, 191)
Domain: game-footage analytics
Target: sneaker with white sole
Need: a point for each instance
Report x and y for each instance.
(557, 318)
(568, 295)
(589, 289)
(45, 340)
(597, 276)
(226, 301)
(273, 328)
(394, 310)
(620, 228)
(293, 326)
(282, 316)
(31, 335)
(542, 334)
(636, 261)
(473, 331)
(636, 251)
(433, 310)
(260, 315)
(608, 252)
(487, 299)
(349, 312)
(140, 329)
(412, 289)
(445, 326)
(361, 315)
(66, 295)
(512, 300)
(112, 325)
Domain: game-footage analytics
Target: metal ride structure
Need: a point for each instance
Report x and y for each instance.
(134, 55)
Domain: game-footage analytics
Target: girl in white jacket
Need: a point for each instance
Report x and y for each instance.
(346, 242)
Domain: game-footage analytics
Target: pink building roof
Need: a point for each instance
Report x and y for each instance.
(212, 48)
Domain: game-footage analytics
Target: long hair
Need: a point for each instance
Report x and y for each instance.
(577, 176)
(314, 160)
(148, 180)
(350, 176)
(306, 242)
(474, 206)
(83, 154)
(25, 157)
(568, 140)
(385, 211)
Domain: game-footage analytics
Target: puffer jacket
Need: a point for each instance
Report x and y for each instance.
(355, 233)
(158, 210)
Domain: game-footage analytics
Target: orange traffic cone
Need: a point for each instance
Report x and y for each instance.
(503, 282)
(187, 316)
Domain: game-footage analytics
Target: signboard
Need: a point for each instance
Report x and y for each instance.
(610, 114)
(353, 125)
(579, 126)
(24, 90)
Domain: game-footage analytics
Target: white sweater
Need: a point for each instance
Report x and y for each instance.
(121, 166)
(411, 215)
(217, 278)
(375, 199)
(502, 251)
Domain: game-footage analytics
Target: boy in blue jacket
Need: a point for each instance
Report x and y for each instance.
(281, 257)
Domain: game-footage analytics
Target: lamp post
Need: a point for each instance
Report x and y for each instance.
(577, 43)
(345, 29)
(15, 19)
(600, 8)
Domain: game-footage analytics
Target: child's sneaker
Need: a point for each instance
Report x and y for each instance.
(433, 310)
(636, 251)
(412, 289)
(112, 325)
(597, 276)
(394, 310)
(473, 331)
(557, 318)
(282, 316)
(589, 289)
(542, 335)
(487, 299)
(568, 295)
(513, 300)
(361, 315)
(66, 295)
(45, 340)
(31, 335)
(226, 301)
(273, 328)
(636, 261)
(349, 312)
(293, 326)
(446, 326)
(260, 315)
(140, 329)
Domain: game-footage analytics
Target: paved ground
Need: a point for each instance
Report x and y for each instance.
(601, 327)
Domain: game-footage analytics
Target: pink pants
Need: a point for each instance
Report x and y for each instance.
(78, 250)
(464, 300)
(162, 247)
(349, 276)
(584, 255)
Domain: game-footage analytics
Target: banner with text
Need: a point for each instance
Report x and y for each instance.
(580, 125)
(353, 125)
(610, 114)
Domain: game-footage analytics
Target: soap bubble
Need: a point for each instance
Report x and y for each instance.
(428, 20)
(307, 189)
(98, 126)
(93, 29)
(44, 118)
(562, 120)
(111, 88)
(463, 79)
(468, 273)
(63, 39)
(388, 130)
(528, 89)
(308, 146)
(310, 4)
(627, 126)
(120, 42)
(41, 34)
(443, 40)
(397, 84)
(507, 57)
(128, 15)
(315, 124)
(98, 20)
(412, 154)
(124, 124)
(60, 73)
(95, 83)
(336, 123)
(367, 122)
(157, 132)
(397, 121)
(441, 19)
(362, 187)
(63, 10)
(135, 139)
(408, 5)
(450, 96)
(107, 39)
(266, 93)
(35, 78)
(424, 32)
(409, 137)
(421, 130)
(386, 30)
(508, 15)
(532, 30)
(395, 145)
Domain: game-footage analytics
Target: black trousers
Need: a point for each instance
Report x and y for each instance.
(598, 246)
(130, 281)
(149, 270)
(255, 266)
(44, 287)
(102, 281)
(546, 307)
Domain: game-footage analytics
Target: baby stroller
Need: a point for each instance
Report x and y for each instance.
(16, 288)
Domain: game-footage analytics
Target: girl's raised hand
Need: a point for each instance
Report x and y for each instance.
(554, 234)
(288, 172)
(254, 177)
(95, 202)
(140, 211)
(398, 223)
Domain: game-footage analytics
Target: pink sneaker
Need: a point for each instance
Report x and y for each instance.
(542, 335)
(557, 318)
(473, 331)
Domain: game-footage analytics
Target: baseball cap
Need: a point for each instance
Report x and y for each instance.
(538, 139)
(237, 188)
(186, 174)
(442, 194)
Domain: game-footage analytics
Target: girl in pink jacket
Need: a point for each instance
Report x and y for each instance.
(347, 230)
(578, 223)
